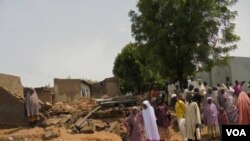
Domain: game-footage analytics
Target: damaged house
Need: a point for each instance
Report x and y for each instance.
(109, 86)
(11, 101)
(45, 94)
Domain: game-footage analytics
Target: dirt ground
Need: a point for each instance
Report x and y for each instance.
(65, 134)
(36, 134)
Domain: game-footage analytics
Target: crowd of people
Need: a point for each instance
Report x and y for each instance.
(195, 106)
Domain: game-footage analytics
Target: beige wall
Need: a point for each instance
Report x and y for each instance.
(45, 94)
(68, 90)
(97, 90)
(11, 109)
(109, 86)
(11, 83)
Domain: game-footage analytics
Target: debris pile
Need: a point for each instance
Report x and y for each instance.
(84, 116)
(84, 105)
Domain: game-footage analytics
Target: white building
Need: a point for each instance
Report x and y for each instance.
(237, 69)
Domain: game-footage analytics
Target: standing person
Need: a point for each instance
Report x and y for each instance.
(222, 98)
(32, 106)
(215, 96)
(238, 87)
(153, 94)
(171, 88)
(202, 92)
(189, 93)
(231, 107)
(193, 120)
(244, 109)
(211, 94)
(198, 97)
(211, 118)
(180, 110)
(193, 82)
(222, 118)
(134, 125)
(163, 119)
(248, 89)
(149, 119)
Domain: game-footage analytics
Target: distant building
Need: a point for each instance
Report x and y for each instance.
(109, 86)
(45, 94)
(11, 101)
(68, 90)
(238, 69)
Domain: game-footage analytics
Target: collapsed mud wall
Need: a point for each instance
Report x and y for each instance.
(11, 83)
(11, 109)
(11, 100)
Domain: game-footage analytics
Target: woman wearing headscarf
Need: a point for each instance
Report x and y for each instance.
(149, 119)
(244, 108)
(231, 107)
(211, 118)
(211, 94)
(32, 106)
(222, 98)
(134, 125)
(163, 119)
(193, 120)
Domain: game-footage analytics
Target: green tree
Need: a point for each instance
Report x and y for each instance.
(182, 37)
(128, 68)
(136, 74)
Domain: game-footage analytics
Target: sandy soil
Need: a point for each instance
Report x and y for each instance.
(36, 134)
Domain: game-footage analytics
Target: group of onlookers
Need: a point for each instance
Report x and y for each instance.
(195, 106)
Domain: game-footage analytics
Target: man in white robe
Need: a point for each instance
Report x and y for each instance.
(193, 120)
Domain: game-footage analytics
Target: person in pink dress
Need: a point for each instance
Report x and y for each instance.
(244, 109)
(134, 125)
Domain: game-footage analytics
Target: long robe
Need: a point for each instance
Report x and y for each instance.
(163, 120)
(231, 109)
(149, 119)
(211, 119)
(244, 109)
(192, 118)
(134, 122)
(32, 104)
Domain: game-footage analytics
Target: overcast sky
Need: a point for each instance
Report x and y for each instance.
(45, 39)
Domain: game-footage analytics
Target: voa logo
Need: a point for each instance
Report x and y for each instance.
(236, 132)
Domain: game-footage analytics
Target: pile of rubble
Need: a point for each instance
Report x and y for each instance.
(85, 105)
(83, 116)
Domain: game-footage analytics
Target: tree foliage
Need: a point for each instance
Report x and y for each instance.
(175, 39)
(184, 35)
(133, 70)
(128, 68)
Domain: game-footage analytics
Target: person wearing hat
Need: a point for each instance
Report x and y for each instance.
(180, 110)
(134, 123)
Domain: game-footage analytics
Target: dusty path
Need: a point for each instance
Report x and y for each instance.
(36, 134)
